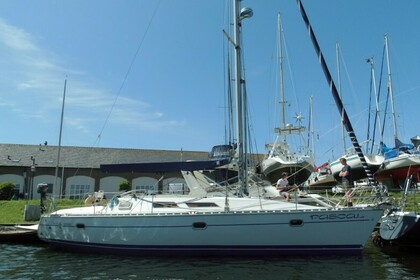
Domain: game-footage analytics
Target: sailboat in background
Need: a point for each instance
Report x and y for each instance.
(280, 158)
(373, 160)
(400, 226)
(321, 178)
(404, 159)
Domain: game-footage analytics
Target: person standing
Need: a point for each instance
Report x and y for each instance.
(346, 180)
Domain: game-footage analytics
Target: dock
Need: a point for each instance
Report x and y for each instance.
(21, 234)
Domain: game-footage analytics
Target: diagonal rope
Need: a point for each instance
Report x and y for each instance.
(333, 89)
(126, 75)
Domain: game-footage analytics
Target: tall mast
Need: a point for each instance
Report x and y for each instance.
(394, 119)
(284, 128)
(334, 92)
(240, 97)
(59, 141)
(377, 112)
(282, 100)
(311, 128)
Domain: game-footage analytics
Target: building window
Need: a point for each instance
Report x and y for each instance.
(177, 188)
(79, 191)
(50, 188)
(16, 191)
(146, 189)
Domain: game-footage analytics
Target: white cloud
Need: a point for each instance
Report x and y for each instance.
(16, 38)
(38, 77)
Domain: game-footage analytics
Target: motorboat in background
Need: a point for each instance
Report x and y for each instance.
(280, 157)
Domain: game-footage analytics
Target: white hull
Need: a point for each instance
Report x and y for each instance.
(299, 170)
(252, 226)
(394, 171)
(195, 225)
(401, 161)
(401, 228)
(322, 181)
(358, 173)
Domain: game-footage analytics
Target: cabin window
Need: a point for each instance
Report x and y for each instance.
(201, 204)
(164, 204)
(124, 205)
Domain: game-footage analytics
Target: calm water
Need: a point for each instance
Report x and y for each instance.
(39, 262)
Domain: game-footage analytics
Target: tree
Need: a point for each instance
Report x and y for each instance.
(7, 189)
(125, 186)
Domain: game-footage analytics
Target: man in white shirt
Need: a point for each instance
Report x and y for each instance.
(283, 186)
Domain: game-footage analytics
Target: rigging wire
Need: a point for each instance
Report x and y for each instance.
(97, 140)
(126, 75)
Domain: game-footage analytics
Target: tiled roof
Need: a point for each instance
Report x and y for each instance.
(85, 157)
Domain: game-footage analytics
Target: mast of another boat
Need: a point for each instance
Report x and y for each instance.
(284, 128)
(337, 99)
(282, 101)
(59, 142)
(394, 120)
(311, 144)
(241, 115)
(377, 112)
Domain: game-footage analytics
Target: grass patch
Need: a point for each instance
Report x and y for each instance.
(11, 212)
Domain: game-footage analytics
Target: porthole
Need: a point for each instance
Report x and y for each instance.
(199, 225)
(296, 222)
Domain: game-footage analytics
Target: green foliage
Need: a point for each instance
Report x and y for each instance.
(7, 190)
(124, 186)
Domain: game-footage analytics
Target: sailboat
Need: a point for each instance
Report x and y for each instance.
(202, 225)
(280, 158)
(373, 160)
(404, 159)
(322, 177)
(400, 226)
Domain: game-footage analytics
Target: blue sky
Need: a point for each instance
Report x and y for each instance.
(171, 94)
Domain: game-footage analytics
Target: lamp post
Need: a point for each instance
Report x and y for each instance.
(33, 169)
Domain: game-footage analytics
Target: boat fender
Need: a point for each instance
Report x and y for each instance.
(89, 200)
(114, 202)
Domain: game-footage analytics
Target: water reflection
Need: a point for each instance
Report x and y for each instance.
(39, 262)
(403, 260)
